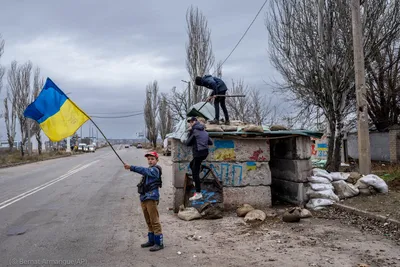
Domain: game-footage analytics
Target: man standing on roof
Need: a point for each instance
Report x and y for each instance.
(218, 87)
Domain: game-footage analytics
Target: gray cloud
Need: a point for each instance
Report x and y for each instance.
(106, 52)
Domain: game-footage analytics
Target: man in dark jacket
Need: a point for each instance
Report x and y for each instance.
(199, 140)
(218, 87)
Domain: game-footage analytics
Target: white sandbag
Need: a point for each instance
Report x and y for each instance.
(345, 190)
(322, 173)
(327, 194)
(318, 203)
(318, 180)
(253, 128)
(213, 128)
(338, 176)
(229, 128)
(376, 182)
(361, 185)
(189, 214)
(320, 187)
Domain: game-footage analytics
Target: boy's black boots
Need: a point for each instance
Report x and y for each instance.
(150, 242)
(158, 243)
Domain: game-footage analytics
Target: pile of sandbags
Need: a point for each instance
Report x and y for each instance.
(371, 184)
(326, 188)
(320, 190)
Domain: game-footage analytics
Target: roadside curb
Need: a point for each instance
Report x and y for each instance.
(366, 214)
(30, 162)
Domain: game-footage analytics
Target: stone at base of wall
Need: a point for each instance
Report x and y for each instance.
(291, 192)
(257, 196)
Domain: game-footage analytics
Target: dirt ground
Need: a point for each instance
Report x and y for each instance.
(328, 239)
(385, 205)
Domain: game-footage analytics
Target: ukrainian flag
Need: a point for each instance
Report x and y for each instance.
(56, 114)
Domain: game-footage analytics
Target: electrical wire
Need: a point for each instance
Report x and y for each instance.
(244, 34)
(117, 117)
(120, 112)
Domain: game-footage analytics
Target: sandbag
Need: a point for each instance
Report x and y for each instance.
(213, 128)
(212, 210)
(345, 190)
(318, 203)
(253, 128)
(277, 128)
(353, 177)
(305, 213)
(338, 176)
(229, 128)
(376, 182)
(292, 215)
(189, 214)
(255, 216)
(322, 173)
(318, 180)
(243, 210)
(321, 186)
(361, 185)
(327, 194)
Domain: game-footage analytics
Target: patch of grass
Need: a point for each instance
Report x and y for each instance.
(386, 171)
(9, 158)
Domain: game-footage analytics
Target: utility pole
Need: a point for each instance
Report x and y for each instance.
(189, 100)
(361, 94)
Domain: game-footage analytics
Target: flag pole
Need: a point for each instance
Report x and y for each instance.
(97, 129)
(106, 139)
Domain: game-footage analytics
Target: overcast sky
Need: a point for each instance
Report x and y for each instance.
(105, 52)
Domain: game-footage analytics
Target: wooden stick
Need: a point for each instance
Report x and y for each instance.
(230, 95)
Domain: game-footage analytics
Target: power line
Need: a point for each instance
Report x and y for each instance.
(120, 112)
(117, 117)
(244, 34)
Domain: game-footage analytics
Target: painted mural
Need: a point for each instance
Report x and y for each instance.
(224, 150)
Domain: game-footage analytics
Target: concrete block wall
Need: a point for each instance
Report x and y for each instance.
(394, 144)
(242, 165)
(290, 166)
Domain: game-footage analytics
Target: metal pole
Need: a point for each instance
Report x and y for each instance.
(68, 144)
(361, 94)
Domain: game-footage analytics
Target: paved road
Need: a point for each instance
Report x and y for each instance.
(83, 208)
(84, 211)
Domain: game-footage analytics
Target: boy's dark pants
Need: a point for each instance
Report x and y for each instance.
(220, 101)
(195, 167)
(151, 215)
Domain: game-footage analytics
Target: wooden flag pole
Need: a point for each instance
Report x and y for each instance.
(99, 131)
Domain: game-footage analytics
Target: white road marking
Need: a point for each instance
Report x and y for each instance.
(43, 186)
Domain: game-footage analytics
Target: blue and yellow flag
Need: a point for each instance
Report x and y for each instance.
(56, 114)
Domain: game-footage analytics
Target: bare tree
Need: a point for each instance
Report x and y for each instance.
(178, 103)
(199, 54)
(150, 112)
(10, 112)
(254, 108)
(316, 60)
(259, 108)
(2, 69)
(164, 117)
(19, 79)
(239, 107)
(35, 127)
